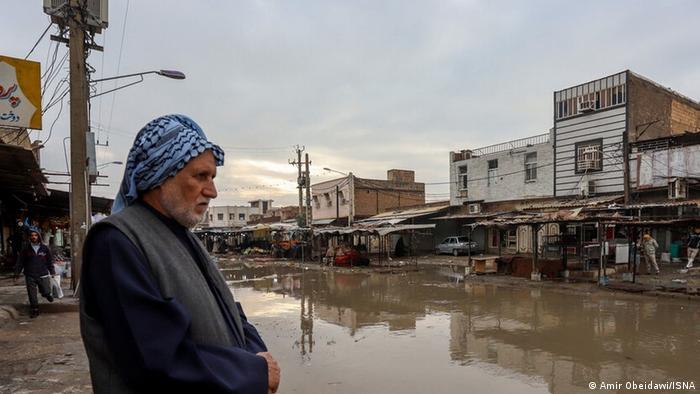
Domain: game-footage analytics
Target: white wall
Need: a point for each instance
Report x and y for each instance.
(608, 125)
(510, 184)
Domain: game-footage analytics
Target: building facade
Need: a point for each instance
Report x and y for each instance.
(351, 198)
(597, 122)
(234, 216)
(519, 169)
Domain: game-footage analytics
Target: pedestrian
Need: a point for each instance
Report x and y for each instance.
(156, 314)
(693, 246)
(649, 246)
(36, 262)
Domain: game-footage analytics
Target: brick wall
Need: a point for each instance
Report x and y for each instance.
(670, 113)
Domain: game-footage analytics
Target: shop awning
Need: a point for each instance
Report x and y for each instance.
(20, 172)
(401, 215)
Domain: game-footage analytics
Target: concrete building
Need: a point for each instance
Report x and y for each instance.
(514, 170)
(276, 215)
(596, 122)
(355, 198)
(234, 216)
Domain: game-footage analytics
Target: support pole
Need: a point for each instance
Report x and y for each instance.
(79, 217)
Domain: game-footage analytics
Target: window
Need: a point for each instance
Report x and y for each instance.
(493, 172)
(317, 203)
(511, 240)
(592, 96)
(241, 216)
(341, 198)
(329, 202)
(589, 156)
(220, 216)
(231, 216)
(463, 180)
(211, 218)
(531, 166)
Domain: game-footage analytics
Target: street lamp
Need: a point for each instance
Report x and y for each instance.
(103, 165)
(173, 74)
(351, 187)
(336, 171)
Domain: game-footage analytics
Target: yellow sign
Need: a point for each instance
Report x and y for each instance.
(20, 93)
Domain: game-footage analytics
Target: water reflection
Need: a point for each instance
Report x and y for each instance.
(565, 340)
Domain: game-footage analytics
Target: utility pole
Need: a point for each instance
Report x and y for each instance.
(300, 184)
(79, 217)
(307, 179)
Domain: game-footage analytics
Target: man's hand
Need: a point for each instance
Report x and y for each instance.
(273, 372)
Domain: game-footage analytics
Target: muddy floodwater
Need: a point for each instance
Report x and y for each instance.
(427, 332)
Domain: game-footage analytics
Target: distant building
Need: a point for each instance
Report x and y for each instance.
(234, 216)
(514, 170)
(276, 215)
(339, 199)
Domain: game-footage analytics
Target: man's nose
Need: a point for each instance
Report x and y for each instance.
(210, 190)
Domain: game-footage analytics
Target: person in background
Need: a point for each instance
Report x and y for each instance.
(693, 246)
(649, 247)
(36, 262)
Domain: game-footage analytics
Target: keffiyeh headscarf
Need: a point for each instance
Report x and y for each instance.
(161, 149)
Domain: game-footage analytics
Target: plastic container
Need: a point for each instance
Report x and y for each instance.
(675, 250)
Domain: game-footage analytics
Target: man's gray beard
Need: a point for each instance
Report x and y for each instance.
(172, 206)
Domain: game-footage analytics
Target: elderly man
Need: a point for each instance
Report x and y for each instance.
(36, 262)
(155, 313)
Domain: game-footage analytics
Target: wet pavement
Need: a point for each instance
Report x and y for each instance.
(418, 331)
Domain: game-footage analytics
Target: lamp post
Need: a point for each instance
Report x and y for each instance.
(103, 165)
(173, 74)
(351, 187)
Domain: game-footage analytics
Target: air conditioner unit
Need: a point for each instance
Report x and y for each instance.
(587, 188)
(677, 188)
(97, 12)
(586, 106)
(474, 208)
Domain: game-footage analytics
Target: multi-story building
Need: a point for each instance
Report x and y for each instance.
(595, 124)
(351, 198)
(233, 216)
(514, 170)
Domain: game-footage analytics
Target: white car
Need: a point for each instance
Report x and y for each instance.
(457, 246)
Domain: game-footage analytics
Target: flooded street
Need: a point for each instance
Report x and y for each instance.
(425, 331)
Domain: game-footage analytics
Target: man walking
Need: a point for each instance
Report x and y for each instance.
(36, 262)
(649, 246)
(156, 314)
(693, 246)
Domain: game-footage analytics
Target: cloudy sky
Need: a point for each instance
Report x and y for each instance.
(364, 86)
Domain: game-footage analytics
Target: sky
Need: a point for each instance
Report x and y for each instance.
(363, 86)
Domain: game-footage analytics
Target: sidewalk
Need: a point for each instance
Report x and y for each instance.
(41, 355)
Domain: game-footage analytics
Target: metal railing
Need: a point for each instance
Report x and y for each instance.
(510, 145)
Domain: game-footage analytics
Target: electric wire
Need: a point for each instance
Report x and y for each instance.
(39, 40)
(119, 63)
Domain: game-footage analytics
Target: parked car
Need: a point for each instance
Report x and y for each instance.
(457, 245)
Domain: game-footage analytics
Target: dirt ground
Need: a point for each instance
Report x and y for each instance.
(41, 355)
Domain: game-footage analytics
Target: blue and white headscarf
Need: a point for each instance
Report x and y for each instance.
(161, 149)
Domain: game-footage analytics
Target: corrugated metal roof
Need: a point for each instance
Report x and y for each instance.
(399, 215)
(575, 203)
(665, 204)
(370, 229)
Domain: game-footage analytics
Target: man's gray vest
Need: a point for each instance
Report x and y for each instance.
(178, 277)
